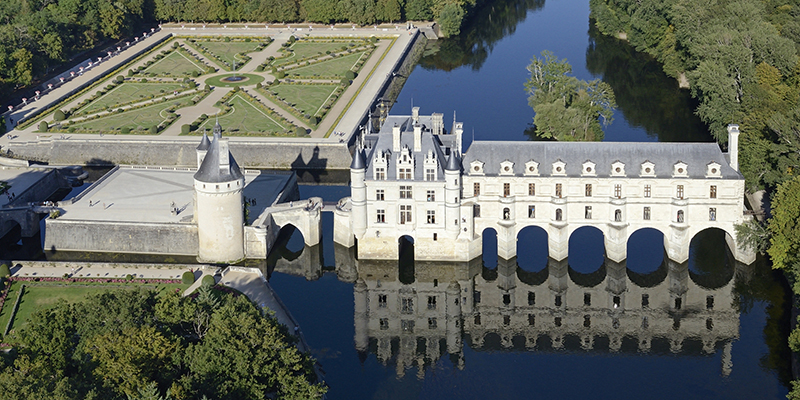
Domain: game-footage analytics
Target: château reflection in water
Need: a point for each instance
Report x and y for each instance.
(446, 306)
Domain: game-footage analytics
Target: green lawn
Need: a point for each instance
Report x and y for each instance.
(175, 64)
(304, 49)
(245, 118)
(128, 92)
(43, 295)
(334, 67)
(308, 98)
(139, 119)
(227, 50)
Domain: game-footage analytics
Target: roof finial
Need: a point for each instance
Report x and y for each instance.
(217, 129)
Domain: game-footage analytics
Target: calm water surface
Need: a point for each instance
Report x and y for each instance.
(532, 327)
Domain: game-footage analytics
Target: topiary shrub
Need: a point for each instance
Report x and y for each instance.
(208, 280)
(187, 278)
(350, 75)
(280, 74)
(129, 277)
(120, 79)
(43, 126)
(186, 128)
(59, 115)
(153, 130)
(5, 272)
(125, 130)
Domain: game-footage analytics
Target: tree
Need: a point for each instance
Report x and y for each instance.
(450, 19)
(784, 226)
(23, 68)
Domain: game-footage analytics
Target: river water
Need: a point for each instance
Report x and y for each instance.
(532, 327)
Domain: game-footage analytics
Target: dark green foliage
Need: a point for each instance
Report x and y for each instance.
(125, 130)
(350, 75)
(186, 128)
(43, 126)
(208, 280)
(153, 130)
(128, 344)
(59, 116)
(5, 272)
(119, 79)
(187, 278)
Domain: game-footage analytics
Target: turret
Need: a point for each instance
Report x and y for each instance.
(452, 193)
(202, 149)
(358, 199)
(733, 145)
(218, 185)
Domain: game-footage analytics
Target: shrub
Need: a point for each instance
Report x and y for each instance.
(195, 73)
(207, 88)
(55, 214)
(208, 280)
(153, 129)
(350, 75)
(129, 277)
(120, 79)
(186, 128)
(125, 130)
(59, 115)
(280, 74)
(71, 129)
(187, 278)
(5, 272)
(130, 72)
(299, 131)
(227, 38)
(43, 126)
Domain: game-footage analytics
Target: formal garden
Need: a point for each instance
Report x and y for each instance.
(229, 54)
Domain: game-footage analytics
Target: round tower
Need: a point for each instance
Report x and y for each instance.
(452, 192)
(358, 199)
(219, 213)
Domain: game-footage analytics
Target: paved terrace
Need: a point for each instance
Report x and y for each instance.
(20, 179)
(352, 106)
(133, 194)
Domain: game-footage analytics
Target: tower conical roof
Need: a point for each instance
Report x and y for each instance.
(212, 170)
(453, 163)
(358, 160)
(204, 142)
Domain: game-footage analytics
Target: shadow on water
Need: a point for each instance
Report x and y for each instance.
(646, 96)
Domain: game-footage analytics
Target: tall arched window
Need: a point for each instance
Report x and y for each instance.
(680, 215)
(618, 215)
(506, 213)
(558, 214)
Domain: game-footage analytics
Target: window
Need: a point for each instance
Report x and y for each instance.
(588, 192)
(587, 299)
(558, 190)
(645, 300)
(476, 211)
(432, 323)
(680, 215)
(618, 191)
(506, 299)
(558, 214)
(430, 174)
(647, 190)
(381, 216)
(404, 173)
(617, 215)
(531, 211)
(430, 195)
(712, 214)
(506, 189)
(531, 189)
(557, 301)
(477, 319)
(406, 325)
(588, 212)
(531, 298)
(646, 214)
(431, 302)
(506, 214)
(407, 305)
(679, 193)
(713, 192)
(506, 320)
(379, 195)
(405, 192)
(381, 301)
(709, 302)
(587, 321)
(476, 297)
(476, 188)
(431, 216)
(384, 324)
(380, 174)
(405, 214)
(531, 320)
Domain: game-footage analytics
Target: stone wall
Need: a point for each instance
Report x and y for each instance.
(288, 154)
(120, 237)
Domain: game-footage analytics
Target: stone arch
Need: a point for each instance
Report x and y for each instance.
(645, 250)
(305, 216)
(289, 239)
(405, 259)
(711, 263)
(532, 248)
(586, 249)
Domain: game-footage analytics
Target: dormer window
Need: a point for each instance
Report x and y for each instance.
(588, 169)
(680, 169)
(713, 170)
(531, 168)
(648, 169)
(617, 168)
(559, 168)
(506, 168)
(476, 168)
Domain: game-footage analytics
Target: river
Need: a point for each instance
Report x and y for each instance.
(533, 327)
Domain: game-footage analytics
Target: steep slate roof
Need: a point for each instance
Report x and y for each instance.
(204, 143)
(453, 163)
(358, 160)
(211, 171)
(664, 155)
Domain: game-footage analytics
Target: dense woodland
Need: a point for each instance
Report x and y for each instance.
(138, 344)
(740, 60)
(37, 36)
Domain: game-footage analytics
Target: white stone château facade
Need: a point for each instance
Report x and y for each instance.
(411, 179)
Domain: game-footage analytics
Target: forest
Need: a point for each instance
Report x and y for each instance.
(38, 36)
(739, 59)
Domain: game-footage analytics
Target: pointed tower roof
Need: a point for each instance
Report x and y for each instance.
(204, 143)
(218, 164)
(358, 160)
(217, 129)
(453, 163)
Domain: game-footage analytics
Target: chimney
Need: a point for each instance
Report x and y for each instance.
(396, 138)
(437, 123)
(415, 115)
(459, 132)
(224, 154)
(417, 138)
(733, 145)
